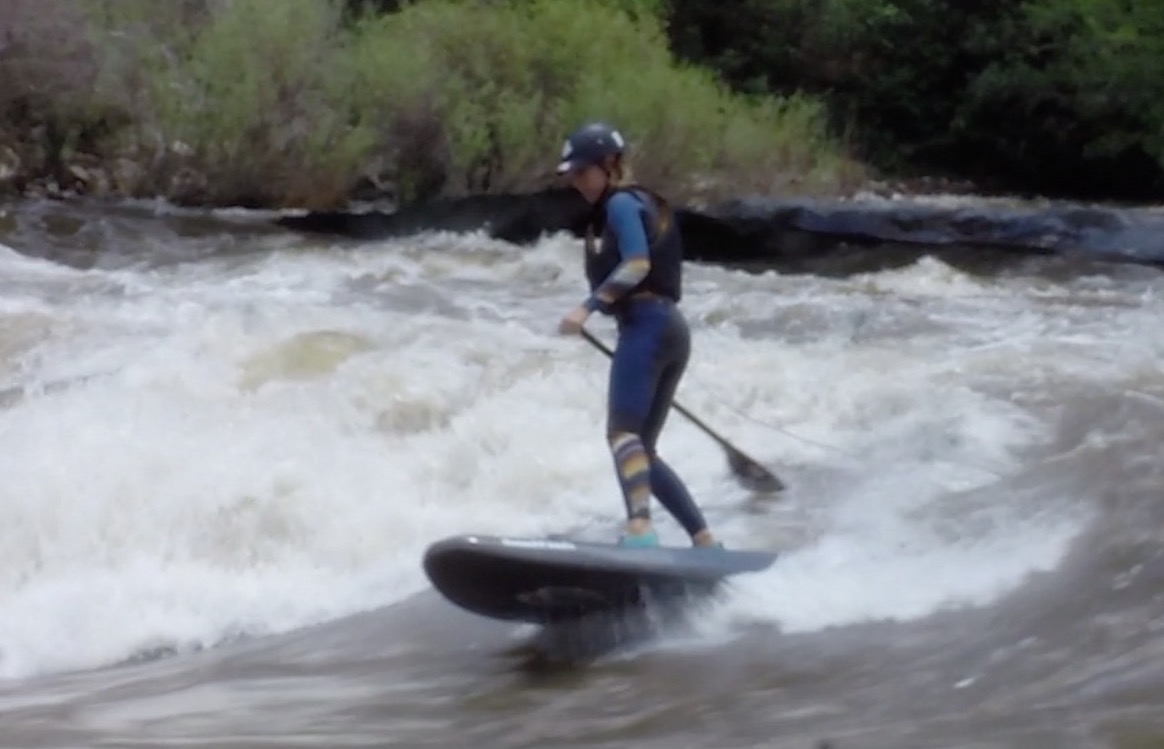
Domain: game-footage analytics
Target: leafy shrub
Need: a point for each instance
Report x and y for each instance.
(301, 101)
(1057, 96)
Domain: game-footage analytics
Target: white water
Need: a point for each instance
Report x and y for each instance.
(269, 442)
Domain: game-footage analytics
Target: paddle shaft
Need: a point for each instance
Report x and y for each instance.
(744, 466)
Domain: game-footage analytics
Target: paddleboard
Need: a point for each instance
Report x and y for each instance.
(546, 580)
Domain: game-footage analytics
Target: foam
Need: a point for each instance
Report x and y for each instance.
(272, 441)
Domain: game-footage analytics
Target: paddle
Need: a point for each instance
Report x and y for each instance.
(748, 471)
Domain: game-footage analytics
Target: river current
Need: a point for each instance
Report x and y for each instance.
(225, 447)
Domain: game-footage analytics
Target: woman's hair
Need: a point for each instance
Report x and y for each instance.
(621, 175)
(620, 171)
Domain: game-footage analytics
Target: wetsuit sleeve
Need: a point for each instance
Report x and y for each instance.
(622, 214)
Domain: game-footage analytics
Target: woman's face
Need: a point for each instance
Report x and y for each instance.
(590, 181)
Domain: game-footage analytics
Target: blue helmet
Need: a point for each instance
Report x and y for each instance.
(590, 145)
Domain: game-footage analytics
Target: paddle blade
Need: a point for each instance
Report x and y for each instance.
(751, 474)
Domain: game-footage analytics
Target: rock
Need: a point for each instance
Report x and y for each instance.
(1135, 235)
(520, 219)
(799, 235)
(87, 174)
(189, 184)
(125, 175)
(10, 166)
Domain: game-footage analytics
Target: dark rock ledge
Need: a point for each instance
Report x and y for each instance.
(801, 235)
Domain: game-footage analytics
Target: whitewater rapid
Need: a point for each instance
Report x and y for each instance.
(253, 442)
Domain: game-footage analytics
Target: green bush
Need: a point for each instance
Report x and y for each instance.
(1073, 99)
(298, 102)
(244, 102)
(478, 98)
(47, 105)
(1057, 96)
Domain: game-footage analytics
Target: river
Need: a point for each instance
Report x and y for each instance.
(225, 447)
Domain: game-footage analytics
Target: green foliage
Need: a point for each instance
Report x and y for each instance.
(497, 87)
(297, 102)
(1075, 95)
(1061, 96)
(47, 105)
(244, 102)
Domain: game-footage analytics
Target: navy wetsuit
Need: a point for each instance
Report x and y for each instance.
(635, 274)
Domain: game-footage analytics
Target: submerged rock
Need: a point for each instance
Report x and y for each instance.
(818, 236)
(520, 219)
(10, 166)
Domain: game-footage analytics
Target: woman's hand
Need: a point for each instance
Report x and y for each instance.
(572, 323)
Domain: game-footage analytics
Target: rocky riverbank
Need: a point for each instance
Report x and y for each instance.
(27, 172)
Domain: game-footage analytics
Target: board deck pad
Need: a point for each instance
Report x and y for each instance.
(543, 580)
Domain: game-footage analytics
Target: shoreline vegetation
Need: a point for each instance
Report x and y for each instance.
(318, 103)
(302, 103)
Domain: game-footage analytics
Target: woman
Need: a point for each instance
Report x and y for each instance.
(635, 275)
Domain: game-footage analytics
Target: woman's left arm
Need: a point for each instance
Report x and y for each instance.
(622, 214)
